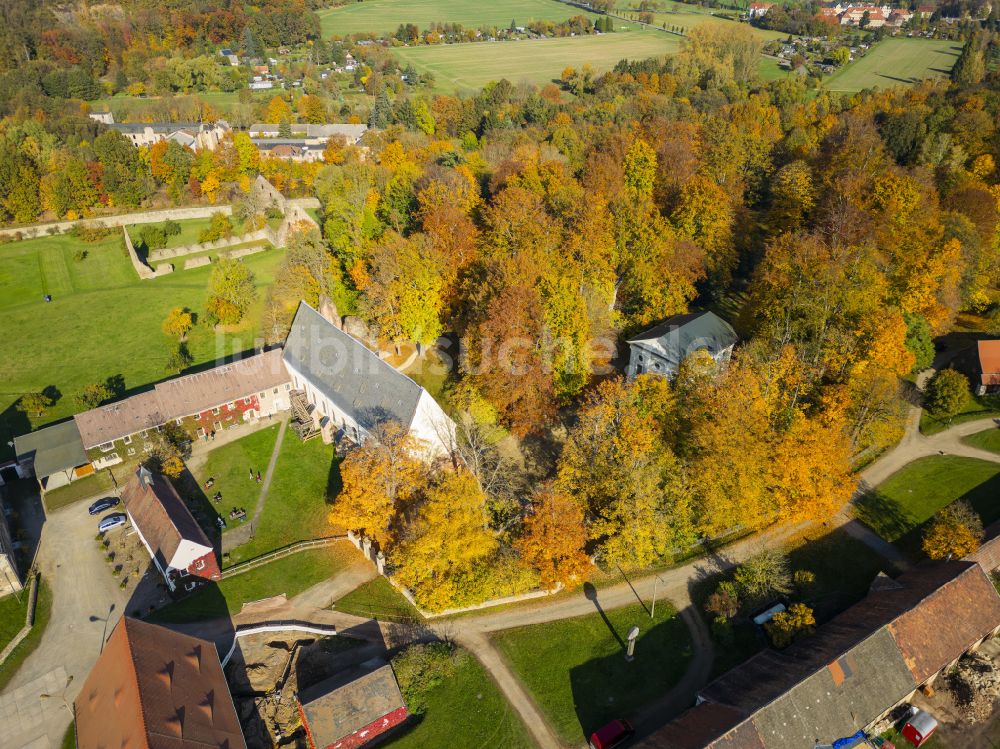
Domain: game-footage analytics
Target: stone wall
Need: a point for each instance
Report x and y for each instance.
(144, 271)
(127, 219)
(169, 253)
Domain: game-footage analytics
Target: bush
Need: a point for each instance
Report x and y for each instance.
(804, 581)
(947, 393)
(80, 255)
(421, 668)
(91, 232)
(724, 602)
(152, 237)
(171, 228)
(219, 227)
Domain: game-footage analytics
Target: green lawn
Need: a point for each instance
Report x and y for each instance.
(12, 613)
(770, 70)
(977, 407)
(468, 67)
(895, 61)
(576, 668)
(86, 487)
(688, 16)
(900, 505)
(377, 599)
(296, 509)
(43, 611)
(290, 575)
(229, 466)
(466, 711)
(987, 440)
(102, 322)
(380, 16)
(190, 230)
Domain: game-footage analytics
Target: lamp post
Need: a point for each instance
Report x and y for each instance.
(630, 652)
(652, 609)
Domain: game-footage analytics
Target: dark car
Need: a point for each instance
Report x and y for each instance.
(105, 503)
(615, 733)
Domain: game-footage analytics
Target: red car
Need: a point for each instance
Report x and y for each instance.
(615, 733)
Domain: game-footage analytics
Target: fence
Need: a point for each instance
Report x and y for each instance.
(250, 564)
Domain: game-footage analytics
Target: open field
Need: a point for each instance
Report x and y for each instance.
(380, 16)
(896, 61)
(686, 17)
(987, 440)
(289, 575)
(465, 711)
(468, 67)
(102, 322)
(305, 477)
(910, 497)
(576, 669)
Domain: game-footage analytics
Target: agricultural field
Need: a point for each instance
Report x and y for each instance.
(686, 17)
(380, 16)
(468, 67)
(102, 322)
(896, 61)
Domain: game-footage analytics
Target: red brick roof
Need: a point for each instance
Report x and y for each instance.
(989, 362)
(157, 689)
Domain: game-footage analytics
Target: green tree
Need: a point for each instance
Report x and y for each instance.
(231, 290)
(763, 575)
(947, 393)
(125, 178)
(34, 403)
(94, 395)
(179, 360)
(919, 340)
(381, 110)
(970, 67)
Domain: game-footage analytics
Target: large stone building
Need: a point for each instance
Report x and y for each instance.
(661, 349)
(194, 135)
(154, 688)
(351, 390)
(852, 673)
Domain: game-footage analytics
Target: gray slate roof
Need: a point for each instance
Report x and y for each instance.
(343, 369)
(55, 448)
(680, 335)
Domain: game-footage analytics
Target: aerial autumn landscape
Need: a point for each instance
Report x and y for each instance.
(528, 374)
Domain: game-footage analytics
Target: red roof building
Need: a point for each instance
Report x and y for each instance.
(352, 708)
(989, 366)
(153, 688)
(177, 544)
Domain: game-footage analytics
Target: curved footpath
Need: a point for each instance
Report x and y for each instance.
(83, 592)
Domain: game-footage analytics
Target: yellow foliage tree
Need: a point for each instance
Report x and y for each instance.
(178, 322)
(956, 531)
(554, 538)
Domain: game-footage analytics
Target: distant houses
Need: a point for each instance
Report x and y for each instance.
(176, 543)
(153, 687)
(191, 134)
(661, 349)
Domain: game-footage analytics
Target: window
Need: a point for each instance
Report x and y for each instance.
(288, 386)
(127, 439)
(276, 391)
(197, 417)
(247, 401)
(178, 421)
(200, 564)
(215, 412)
(231, 405)
(144, 433)
(107, 447)
(131, 451)
(262, 395)
(112, 456)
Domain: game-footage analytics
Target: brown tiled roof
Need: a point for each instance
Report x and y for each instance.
(155, 688)
(350, 700)
(858, 665)
(160, 515)
(181, 397)
(960, 612)
(988, 554)
(989, 362)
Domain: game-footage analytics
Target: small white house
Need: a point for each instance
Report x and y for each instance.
(660, 350)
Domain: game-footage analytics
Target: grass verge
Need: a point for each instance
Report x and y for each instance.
(290, 575)
(43, 612)
(978, 407)
(377, 599)
(576, 669)
(986, 440)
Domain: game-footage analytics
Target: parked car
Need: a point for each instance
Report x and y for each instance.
(105, 503)
(615, 733)
(112, 521)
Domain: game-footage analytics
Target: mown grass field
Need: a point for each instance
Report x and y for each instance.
(102, 322)
(468, 67)
(899, 506)
(576, 669)
(686, 17)
(896, 61)
(986, 440)
(379, 16)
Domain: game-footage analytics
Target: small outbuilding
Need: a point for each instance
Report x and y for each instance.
(989, 367)
(661, 349)
(352, 708)
(54, 454)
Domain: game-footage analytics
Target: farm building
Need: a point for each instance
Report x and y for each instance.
(175, 542)
(988, 369)
(352, 708)
(351, 134)
(201, 403)
(55, 455)
(852, 673)
(660, 350)
(191, 134)
(153, 687)
(351, 390)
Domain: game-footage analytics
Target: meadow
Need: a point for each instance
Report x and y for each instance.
(896, 61)
(102, 322)
(381, 16)
(468, 67)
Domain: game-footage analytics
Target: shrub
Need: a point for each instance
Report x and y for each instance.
(764, 575)
(724, 602)
(80, 255)
(171, 228)
(804, 580)
(220, 226)
(152, 237)
(947, 393)
(421, 668)
(788, 626)
(91, 232)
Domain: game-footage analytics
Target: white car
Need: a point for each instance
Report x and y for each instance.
(112, 521)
